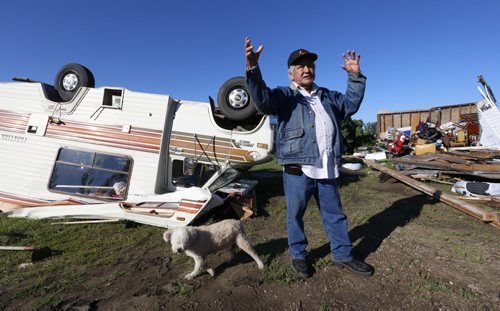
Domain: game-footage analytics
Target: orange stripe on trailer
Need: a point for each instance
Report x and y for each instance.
(194, 201)
(29, 202)
(19, 203)
(8, 196)
(186, 210)
(148, 138)
(191, 205)
(131, 146)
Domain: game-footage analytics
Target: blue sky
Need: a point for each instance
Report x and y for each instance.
(416, 54)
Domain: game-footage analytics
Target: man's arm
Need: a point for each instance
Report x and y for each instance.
(356, 81)
(265, 100)
(354, 94)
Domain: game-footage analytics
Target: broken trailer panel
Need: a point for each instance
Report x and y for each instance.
(74, 150)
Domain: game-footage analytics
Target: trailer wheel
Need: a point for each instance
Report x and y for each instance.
(70, 78)
(234, 100)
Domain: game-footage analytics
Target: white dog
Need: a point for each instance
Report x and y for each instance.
(198, 242)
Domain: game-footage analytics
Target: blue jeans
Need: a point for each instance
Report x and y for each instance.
(298, 191)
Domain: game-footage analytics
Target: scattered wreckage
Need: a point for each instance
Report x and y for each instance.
(440, 128)
(73, 150)
(456, 145)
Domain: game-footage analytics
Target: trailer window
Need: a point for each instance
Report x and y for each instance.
(201, 174)
(90, 174)
(229, 175)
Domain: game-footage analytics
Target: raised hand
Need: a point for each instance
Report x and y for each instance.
(351, 62)
(251, 56)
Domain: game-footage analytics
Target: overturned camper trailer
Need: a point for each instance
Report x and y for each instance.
(74, 150)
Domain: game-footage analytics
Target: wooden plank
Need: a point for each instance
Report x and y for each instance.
(492, 216)
(453, 159)
(435, 116)
(397, 120)
(455, 114)
(245, 206)
(466, 109)
(424, 116)
(484, 168)
(415, 119)
(379, 124)
(424, 177)
(387, 122)
(406, 119)
(17, 248)
(453, 201)
(445, 115)
(478, 199)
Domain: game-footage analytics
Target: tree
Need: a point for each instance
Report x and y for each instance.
(355, 134)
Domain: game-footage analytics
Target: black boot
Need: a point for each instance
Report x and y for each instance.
(356, 266)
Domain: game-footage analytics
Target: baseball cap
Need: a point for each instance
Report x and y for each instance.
(300, 54)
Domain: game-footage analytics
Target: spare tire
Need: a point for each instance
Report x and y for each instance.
(234, 100)
(71, 78)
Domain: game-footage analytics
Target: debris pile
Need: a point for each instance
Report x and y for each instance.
(463, 152)
(430, 137)
(473, 164)
(442, 128)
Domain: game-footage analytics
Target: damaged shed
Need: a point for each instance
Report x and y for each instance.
(437, 115)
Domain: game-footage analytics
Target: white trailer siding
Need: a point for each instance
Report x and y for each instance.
(27, 159)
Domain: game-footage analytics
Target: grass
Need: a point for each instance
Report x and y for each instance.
(271, 166)
(374, 216)
(468, 293)
(457, 243)
(183, 289)
(279, 271)
(470, 253)
(325, 308)
(427, 287)
(114, 276)
(435, 286)
(72, 246)
(322, 263)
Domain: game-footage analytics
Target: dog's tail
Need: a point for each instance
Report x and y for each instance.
(166, 235)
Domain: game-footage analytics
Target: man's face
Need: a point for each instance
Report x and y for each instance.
(303, 73)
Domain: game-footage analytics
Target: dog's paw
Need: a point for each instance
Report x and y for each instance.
(211, 271)
(189, 277)
(260, 265)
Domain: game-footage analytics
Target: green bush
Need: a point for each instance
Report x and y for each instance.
(355, 133)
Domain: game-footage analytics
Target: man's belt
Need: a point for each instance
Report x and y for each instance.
(294, 169)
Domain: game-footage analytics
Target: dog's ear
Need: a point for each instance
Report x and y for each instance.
(167, 234)
(191, 234)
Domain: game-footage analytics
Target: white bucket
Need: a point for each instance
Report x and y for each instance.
(353, 166)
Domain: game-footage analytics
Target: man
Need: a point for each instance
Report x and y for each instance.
(309, 146)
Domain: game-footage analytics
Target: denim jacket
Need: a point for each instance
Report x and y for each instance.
(295, 133)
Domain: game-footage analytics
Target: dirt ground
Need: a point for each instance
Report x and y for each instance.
(427, 256)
